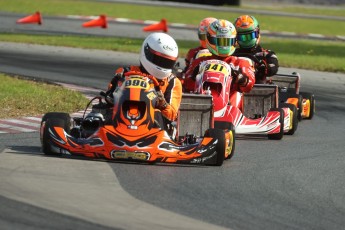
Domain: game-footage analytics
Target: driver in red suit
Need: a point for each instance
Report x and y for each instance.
(220, 41)
(202, 30)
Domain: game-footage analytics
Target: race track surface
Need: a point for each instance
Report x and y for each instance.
(295, 183)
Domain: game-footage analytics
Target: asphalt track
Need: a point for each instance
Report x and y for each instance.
(295, 183)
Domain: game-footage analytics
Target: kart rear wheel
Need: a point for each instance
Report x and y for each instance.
(278, 136)
(220, 148)
(294, 118)
(311, 98)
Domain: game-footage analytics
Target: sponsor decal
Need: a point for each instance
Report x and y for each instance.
(166, 47)
(128, 155)
(151, 96)
(132, 127)
(224, 30)
(203, 159)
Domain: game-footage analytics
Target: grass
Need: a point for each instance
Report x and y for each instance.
(176, 15)
(20, 97)
(324, 10)
(304, 54)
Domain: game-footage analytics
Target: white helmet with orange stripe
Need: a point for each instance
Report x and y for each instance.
(159, 54)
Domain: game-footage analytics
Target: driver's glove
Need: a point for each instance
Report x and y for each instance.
(161, 102)
(240, 79)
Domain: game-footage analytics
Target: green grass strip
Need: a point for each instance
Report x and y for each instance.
(172, 14)
(305, 54)
(28, 98)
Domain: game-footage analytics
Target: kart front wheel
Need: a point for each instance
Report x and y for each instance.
(278, 136)
(48, 125)
(218, 134)
(298, 105)
(294, 117)
(311, 98)
(64, 116)
(230, 149)
(229, 129)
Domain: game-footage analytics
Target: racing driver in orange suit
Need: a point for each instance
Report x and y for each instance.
(158, 56)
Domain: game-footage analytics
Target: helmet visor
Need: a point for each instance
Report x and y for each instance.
(159, 59)
(211, 39)
(202, 36)
(226, 41)
(247, 36)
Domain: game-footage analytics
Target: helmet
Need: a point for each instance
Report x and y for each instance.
(202, 30)
(221, 38)
(158, 56)
(248, 31)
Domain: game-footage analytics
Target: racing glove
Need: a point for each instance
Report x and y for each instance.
(240, 79)
(160, 102)
(109, 98)
(114, 83)
(261, 71)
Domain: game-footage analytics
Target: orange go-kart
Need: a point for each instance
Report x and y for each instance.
(289, 92)
(129, 128)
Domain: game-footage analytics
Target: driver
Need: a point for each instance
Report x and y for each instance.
(220, 41)
(203, 25)
(248, 39)
(159, 53)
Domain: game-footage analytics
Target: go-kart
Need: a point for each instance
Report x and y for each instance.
(127, 127)
(259, 113)
(289, 92)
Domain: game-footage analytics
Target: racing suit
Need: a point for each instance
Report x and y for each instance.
(171, 88)
(268, 62)
(191, 56)
(243, 71)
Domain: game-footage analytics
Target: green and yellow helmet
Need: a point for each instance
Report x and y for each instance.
(221, 38)
(248, 31)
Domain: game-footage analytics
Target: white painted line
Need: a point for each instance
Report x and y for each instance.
(17, 128)
(340, 37)
(21, 122)
(287, 33)
(34, 118)
(316, 35)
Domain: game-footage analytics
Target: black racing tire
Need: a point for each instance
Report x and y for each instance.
(280, 135)
(294, 117)
(311, 98)
(220, 149)
(64, 116)
(228, 127)
(61, 120)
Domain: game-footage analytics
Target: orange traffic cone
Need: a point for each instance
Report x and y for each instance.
(162, 25)
(101, 21)
(35, 18)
